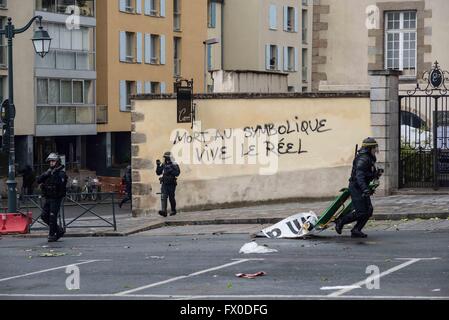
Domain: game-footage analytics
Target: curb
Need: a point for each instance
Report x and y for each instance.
(261, 221)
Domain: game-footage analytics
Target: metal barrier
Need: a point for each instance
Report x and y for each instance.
(37, 202)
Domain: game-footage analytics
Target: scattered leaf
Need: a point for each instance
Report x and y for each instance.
(229, 286)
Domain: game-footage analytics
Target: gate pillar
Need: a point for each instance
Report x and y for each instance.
(385, 125)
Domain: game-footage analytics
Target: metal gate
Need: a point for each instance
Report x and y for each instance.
(424, 133)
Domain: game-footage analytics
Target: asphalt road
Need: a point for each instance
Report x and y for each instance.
(189, 263)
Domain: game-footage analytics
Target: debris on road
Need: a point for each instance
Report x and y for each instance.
(253, 247)
(293, 227)
(52, 254)
(251, 275)
(156, 257)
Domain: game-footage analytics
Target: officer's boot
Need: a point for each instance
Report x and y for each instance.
(356, 232)
(53, 234)
(163, 212)
(342, 221)
(173, 205)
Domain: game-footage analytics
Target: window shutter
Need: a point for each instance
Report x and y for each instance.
(122, 4)
(139, 47)
(279, 58)
(296, 19)
(267, 56)
(296, 59)
(285, 58)
(139, 6)
(163, 87)
(122, 46)
(285, 18)
(147, 48)
(147, 87)
(162, 8)
(123, 96)
(273, 17)
(162, 38)
(139, 87)
(147, 7)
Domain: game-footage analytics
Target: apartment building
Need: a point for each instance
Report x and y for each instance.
(270, 35)
(144, 45)
(54, 96)
(354, 36)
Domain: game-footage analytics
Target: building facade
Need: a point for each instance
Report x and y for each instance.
(145, 45)
(54, 96)
(269, 36)
(354, 36)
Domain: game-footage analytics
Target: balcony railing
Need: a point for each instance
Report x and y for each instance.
(102, 114)
(3, 56)
(67, 60)
(66, 115)
(177, 67)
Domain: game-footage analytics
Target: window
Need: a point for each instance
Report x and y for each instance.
(66, 91)
(289, 59)
(3, 4)
(42, 91)
(304, 66)
(272, 57)
(400, 38)
(130, 46)
(290, 19)
(155, 49)
(54, 91)
(79, 7)
(130, 6)
(131, 89)
(177, 56)
(155, 87)
(211, 14)
(176, 15)
(305, 24)
(209, 57)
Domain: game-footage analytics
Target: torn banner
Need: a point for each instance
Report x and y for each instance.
(292, 227)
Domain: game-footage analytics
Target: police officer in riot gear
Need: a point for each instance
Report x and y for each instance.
(364, 171)
(53, 185)
(170, 172)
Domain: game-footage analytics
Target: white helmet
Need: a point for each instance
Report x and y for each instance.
(53, 157)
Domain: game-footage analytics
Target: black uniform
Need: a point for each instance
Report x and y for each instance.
(53, 185)
(363, 173)
(127, 178)
(170, 172)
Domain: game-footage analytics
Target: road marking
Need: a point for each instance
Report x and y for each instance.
(238, 261)
(340, 287)
(48, 270)
(372, 278)
(222, 297)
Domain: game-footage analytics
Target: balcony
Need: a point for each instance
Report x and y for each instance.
(102, 114)
(67, 60)
(85, 8)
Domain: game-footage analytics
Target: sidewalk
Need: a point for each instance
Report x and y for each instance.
(397, 207)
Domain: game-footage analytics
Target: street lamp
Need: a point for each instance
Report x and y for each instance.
(206, 43)
(41, 43)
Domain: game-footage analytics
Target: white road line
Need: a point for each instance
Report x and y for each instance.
(340, 288)
(224, 297)
(184, 277)
(372, 278)
(48, 270)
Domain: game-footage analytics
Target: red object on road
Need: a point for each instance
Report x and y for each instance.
(15, 223)
(251, 276)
